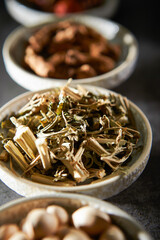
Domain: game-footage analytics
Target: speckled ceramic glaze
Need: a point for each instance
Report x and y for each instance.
(16, 210)
(14, 48)
(25, 15)
(109, 186)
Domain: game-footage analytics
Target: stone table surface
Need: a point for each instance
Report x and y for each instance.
(142, 198)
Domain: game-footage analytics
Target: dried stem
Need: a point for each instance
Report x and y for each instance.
(65, 136)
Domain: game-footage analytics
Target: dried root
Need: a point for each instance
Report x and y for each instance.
(70, 50)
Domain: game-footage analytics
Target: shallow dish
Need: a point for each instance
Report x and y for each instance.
(14, 211)
(104, 188)
(14, 47)
(29, 16)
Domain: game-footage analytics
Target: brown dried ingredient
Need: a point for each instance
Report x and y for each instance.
(38, 63)
(85, 71)
(70, 50)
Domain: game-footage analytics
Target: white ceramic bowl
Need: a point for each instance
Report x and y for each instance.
(105, 188)
(15, 211)
(14, 48)
(28, 16)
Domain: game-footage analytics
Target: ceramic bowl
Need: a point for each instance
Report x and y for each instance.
(14, 48)
(15, 211)
(104, 188)
(26, 15)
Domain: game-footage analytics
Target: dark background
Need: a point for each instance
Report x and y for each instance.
(142, 198)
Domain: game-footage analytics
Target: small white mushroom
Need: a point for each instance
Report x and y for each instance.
(112, 233)
(75, 234)
(39, 224)
(19, 236)
(90, 220)
(7, 230)
(59, 212)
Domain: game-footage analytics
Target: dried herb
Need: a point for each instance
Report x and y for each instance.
(68, 136)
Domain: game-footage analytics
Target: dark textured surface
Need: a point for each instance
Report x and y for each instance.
(142, 198)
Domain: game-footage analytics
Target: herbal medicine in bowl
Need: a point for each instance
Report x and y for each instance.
(68, 137)
(69, 49)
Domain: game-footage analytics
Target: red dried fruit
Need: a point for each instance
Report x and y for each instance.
(66, 6)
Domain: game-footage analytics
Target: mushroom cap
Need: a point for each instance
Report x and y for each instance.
(76, 234)
(59, 212)
(19, 236)
(90, 220)
(39, 224)
(7, 230)
(51, 238)
(112, 233)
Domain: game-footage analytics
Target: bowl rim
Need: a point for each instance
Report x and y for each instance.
(104, 206)
(129, 61)
(112, 5)
(144, 154)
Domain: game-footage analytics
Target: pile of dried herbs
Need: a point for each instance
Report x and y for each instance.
(68, 136)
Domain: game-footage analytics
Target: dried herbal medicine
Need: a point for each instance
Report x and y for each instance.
(69, 136)
(70, 50)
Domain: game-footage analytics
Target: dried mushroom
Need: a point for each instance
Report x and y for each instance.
(19, 236)
(112, 233)
(67, 136)
(60, 212)
(39, 224)
(87, 223)
(90, 220)
(7, 230)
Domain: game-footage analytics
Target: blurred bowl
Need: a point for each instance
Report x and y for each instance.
(28, 16)
(102, 188)
(14, 49)
(15, 211)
